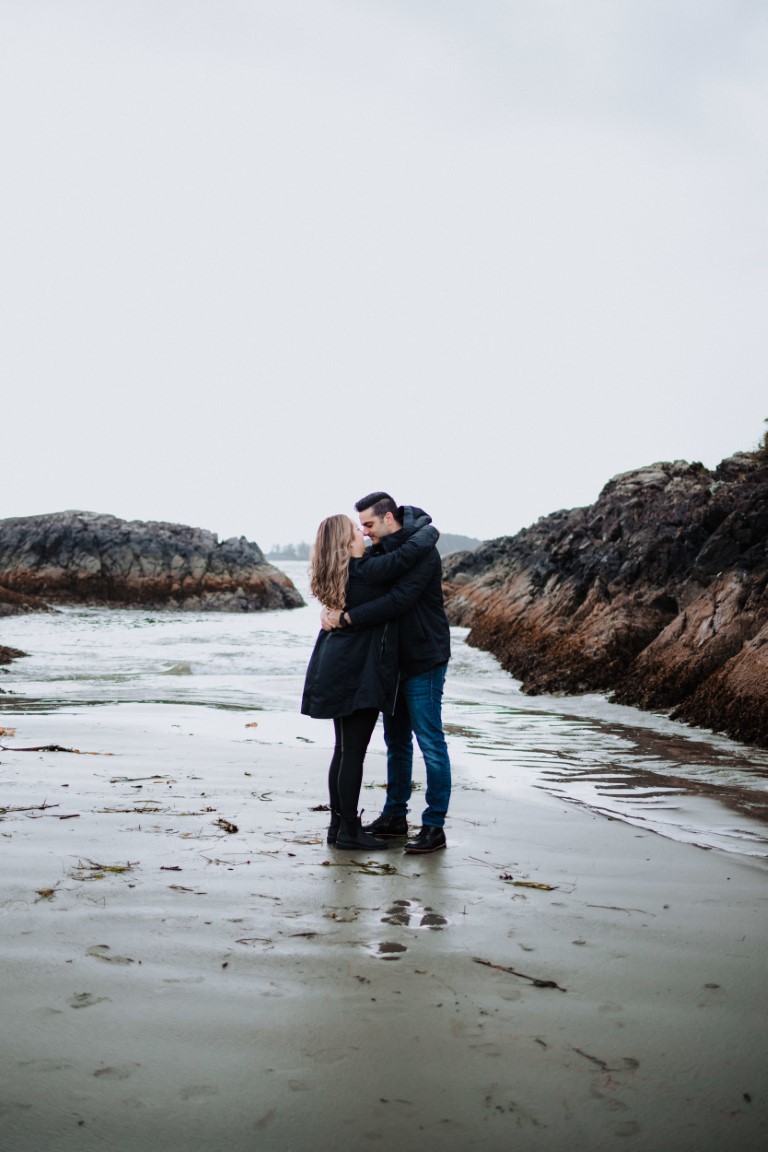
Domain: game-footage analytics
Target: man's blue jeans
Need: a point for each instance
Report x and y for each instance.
(418, 710)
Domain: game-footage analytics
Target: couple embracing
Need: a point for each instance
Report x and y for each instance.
(384, 648)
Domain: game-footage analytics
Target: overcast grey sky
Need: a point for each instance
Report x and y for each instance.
(262, 256)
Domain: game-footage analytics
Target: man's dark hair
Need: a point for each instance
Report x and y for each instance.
(379, 502)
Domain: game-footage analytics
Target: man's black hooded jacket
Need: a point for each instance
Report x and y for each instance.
(416, 599)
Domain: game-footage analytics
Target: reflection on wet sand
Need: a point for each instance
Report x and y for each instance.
(667, 783)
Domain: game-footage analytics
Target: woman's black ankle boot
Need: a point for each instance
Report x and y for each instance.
(333, 828)
(351, 837)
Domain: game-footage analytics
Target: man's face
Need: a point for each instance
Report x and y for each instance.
(374, 527)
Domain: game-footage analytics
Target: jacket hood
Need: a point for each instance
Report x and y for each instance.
(412, 518)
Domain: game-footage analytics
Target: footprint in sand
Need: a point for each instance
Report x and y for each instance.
(388, 950)
(86, 1000)
(409, 914)
(116, 1072)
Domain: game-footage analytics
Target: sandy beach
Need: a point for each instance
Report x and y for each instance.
(170, 983)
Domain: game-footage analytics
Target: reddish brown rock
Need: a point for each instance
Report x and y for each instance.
(733, 699)
(9, 654)
(87, 558)
(14, 604)
(656, 593)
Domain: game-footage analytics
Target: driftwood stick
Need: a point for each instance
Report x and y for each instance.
(34, 808)
(52, 748)
(42, 748)
(537, 983)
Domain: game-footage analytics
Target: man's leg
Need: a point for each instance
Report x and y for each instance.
(424, 696)
(398, 736)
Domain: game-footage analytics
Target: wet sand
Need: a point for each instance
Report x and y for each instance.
(170, 984)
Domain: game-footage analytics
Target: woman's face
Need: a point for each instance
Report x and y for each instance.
(357, 546)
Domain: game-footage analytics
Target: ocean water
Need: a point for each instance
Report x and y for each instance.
(624, 764)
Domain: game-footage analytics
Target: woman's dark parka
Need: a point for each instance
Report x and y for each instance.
(358, 667)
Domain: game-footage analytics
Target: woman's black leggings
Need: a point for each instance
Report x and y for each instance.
(345, 775)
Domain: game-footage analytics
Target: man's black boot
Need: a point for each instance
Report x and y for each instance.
(429, 839)
(333, 828)
(352, 837)
(388, 826)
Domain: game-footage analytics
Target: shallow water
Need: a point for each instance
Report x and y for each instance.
(639, 767)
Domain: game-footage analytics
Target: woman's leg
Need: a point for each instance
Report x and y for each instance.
(333, 787)
(353, 735)
(333, 770)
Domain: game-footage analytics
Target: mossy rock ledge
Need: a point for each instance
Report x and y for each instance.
(86, 558)
(655, 594)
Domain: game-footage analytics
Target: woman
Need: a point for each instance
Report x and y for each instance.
(353, 672)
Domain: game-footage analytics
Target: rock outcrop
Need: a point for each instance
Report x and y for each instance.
(13, 604)
(9, 654)
(91, 559)
(655, 594)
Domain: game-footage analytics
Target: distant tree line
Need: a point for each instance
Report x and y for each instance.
(762, 448)
(448, 542)
(289, 551)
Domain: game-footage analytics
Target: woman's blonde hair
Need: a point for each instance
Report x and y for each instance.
(329, 561)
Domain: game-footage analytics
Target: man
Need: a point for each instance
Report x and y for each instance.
(425, 647)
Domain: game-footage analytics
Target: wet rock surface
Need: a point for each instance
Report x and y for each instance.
(93, 559)
(656, 593)
(9, 654)
(13, 604)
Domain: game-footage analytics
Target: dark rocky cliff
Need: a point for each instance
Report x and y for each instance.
(92, 559)
(656, 594)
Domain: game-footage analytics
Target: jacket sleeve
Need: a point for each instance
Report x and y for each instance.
(402, 596)
(386, 568)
